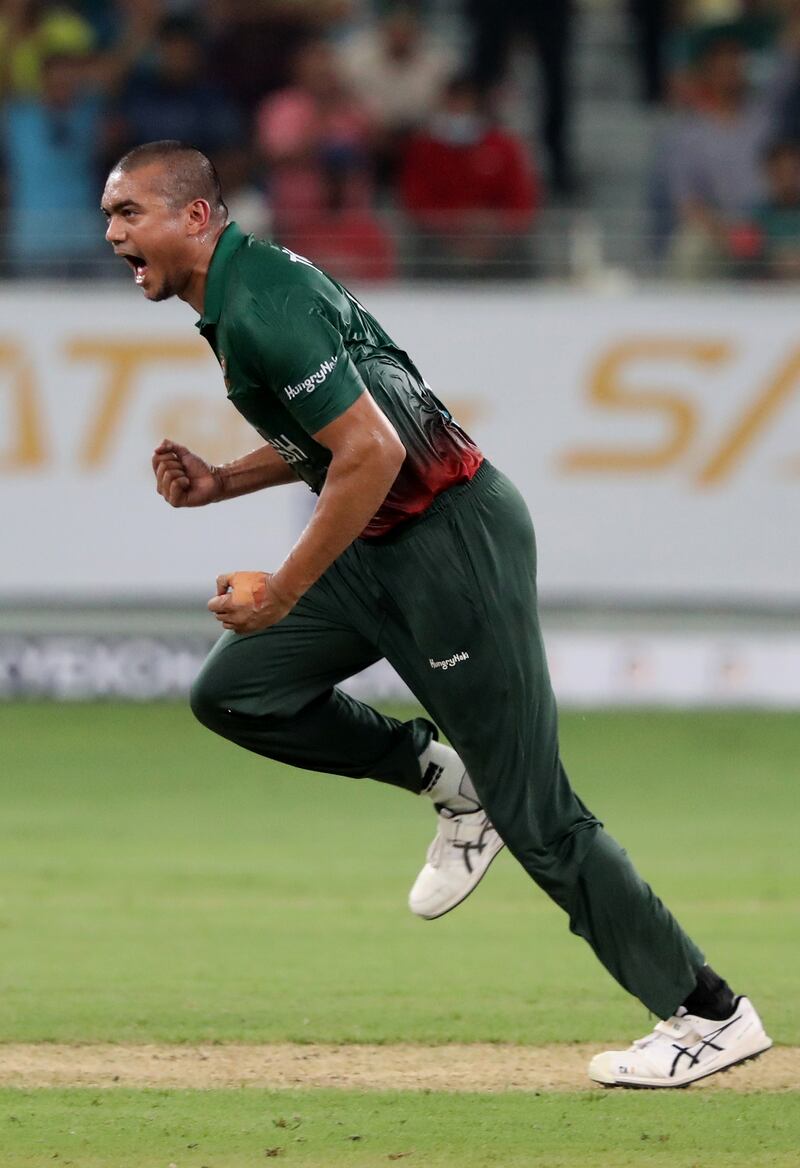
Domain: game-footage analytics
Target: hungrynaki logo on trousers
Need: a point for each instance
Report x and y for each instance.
(449, 662)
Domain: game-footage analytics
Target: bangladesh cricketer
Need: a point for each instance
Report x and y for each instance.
(418, 551)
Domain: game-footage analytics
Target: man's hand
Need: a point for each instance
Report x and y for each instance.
(183, 478)
(247, 601)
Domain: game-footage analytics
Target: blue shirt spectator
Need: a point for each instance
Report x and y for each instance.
(175, 100)
(50, 145)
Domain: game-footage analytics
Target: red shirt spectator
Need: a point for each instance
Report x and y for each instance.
(467, 184)
(440, 180)
(316, 139)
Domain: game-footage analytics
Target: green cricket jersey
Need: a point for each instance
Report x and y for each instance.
(296, 350)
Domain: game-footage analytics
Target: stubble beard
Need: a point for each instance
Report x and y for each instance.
(169, 287)
(165, 292)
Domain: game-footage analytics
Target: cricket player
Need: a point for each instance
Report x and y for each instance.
(418, 551)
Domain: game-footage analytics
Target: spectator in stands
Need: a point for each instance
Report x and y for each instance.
(315, 138)
(769, 245)
(108, 17)
(754, 24)
(51, 145)
(709, 160)
(255, 42)
(469, 190)
(175, 99)
(30, 32)
(496, 25)
(347, 240)
(398, 71)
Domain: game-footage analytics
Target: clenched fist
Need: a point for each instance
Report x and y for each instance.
(247, 601)
(184, 479)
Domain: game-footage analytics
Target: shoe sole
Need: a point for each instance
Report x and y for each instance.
(660, 1085)
(437, 916)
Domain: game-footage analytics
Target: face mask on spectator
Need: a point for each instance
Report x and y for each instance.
(464, 129)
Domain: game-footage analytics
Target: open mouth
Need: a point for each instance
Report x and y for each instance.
(138, 266)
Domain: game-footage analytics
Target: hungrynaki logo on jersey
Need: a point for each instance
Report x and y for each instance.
(313, 381)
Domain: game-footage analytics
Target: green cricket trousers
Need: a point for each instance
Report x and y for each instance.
(450, 601)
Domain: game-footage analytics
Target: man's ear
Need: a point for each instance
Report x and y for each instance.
(198, 216)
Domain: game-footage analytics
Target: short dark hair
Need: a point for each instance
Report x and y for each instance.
(188, 173)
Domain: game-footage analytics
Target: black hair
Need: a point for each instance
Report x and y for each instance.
(188, 173)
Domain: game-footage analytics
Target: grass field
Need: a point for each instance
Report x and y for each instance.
(240, 1129)
(157, 885)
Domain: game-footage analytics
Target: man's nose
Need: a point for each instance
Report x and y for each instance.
(114, 234)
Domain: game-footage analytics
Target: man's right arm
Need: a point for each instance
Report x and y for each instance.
(186, 480)
(262, 467)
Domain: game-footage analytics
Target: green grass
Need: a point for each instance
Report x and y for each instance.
(157, 883)
(327, 1129)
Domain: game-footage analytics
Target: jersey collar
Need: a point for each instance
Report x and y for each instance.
(229, 242)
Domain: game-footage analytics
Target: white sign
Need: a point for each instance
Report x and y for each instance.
(656, 437)
(588, 669)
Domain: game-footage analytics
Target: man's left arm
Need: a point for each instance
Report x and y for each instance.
(366, 457)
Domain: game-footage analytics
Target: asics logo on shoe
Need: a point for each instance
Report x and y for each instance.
(693, 1053)
(477, 847)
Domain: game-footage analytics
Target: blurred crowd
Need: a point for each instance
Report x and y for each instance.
(725, 182)
(354, 132)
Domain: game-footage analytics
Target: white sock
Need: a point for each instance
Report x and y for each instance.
(445, 779)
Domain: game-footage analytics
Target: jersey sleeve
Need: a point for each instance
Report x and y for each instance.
(301, 357)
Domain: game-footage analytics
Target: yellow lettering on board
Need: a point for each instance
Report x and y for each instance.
(748, 427)
(26, 449)
(677, 415)
(212, 428)
(124, 361)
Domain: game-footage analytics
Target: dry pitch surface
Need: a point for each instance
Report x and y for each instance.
(476, 1067)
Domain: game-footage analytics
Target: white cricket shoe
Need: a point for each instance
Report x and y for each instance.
(462, 850)
(683, 1049)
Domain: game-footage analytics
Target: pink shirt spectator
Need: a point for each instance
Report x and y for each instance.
(315, 138)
